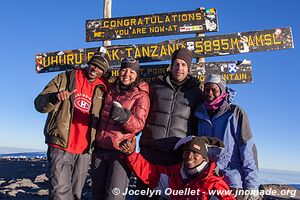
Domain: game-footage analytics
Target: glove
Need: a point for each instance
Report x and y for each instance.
(127, 146)
(118, 113)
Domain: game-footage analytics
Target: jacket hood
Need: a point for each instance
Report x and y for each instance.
(143, 86)
(201, 110)
(231, 95)
(211, 170)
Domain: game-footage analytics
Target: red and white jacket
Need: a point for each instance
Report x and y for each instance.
(207, 181)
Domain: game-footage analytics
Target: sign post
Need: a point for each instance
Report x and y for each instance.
(107, 14)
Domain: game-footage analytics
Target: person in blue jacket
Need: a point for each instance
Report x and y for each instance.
(219, 117)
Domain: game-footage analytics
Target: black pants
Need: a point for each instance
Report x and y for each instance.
(67, 173)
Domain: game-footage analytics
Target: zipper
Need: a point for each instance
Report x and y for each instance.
(71, 119)
(107, 122)
(171, 114)
(71, 104)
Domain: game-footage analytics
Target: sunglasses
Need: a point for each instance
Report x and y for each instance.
(129, 59)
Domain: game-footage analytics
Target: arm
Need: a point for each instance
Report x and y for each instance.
(248, 152)
(193, 120)
(138, 116)
(46, 101)
(147, 172)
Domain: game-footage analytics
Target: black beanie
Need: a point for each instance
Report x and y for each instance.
(131, 63)
(197, 145)
(99, 61)
(200, 144)
(183, 54)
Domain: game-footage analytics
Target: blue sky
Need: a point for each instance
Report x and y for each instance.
(271, 101)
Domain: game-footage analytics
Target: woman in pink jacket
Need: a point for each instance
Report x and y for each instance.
(123, 116)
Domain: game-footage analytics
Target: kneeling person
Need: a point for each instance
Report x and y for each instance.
(194, 173)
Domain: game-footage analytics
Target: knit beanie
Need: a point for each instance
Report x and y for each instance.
(217, 79)
(99, 61)
(196, 144)
(183, 54)
(132, 64)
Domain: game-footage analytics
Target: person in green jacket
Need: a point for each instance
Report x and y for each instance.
(73, 101)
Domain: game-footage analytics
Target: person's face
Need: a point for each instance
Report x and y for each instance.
(211, 92)
(191, 159)
(179, 70)
(94, 73)
(127, 76)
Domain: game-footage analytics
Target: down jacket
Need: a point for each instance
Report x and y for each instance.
(171, 117)
(207, 181)
(57, 127)
(110, 133)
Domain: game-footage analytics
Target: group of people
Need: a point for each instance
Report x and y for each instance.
(189, 138)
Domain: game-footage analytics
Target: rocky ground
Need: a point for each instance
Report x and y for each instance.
(26, 179)
(23, 178)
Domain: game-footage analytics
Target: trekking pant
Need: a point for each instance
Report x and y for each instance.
(110, 175)
(67, 173)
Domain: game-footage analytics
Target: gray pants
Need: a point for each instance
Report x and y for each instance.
(108, 172)
(67, 173)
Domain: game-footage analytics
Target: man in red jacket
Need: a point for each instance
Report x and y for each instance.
(193, 178)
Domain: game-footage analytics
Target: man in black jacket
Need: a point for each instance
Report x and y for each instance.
(174, 97)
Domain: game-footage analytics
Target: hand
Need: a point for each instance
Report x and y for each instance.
(118, 113)
(64, 95)
(127, 146)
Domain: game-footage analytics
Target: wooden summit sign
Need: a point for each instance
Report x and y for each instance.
(220, 45)
(233, 72)
(197, 21)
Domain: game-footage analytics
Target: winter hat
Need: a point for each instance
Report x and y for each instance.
(217, 79)
(183, 54)
(99, 61)
(130, 63)
(199, 144)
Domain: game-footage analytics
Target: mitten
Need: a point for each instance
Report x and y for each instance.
(118, 113)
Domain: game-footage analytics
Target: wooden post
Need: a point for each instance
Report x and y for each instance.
(202, 59)
(107, 14)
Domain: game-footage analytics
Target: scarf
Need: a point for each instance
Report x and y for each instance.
(121, 88)
(188, 174)
(215, 104)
